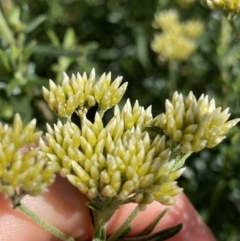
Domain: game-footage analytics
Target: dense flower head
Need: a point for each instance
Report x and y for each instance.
(20, 169)
(177, 40)
(119, 159)
(194, 124)
(167, 20)
(230, 6)
(134, 116)
(133, 157)
(192, 29)
(79, 93)
(168, 48)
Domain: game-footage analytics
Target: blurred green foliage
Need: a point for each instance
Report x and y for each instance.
(40, 39)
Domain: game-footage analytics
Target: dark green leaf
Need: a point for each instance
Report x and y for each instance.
(153, 224)
(159, 236)
(154, 130)
(28, 51)
(35, 23)
(54, 38)
(51, 50)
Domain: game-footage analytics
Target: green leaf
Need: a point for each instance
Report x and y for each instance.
(5, 31)
(180, 160)
(159, 236)
(154, 130)
(28, 51)
(153, 224)
(53, 38)
(125, 226)
(4, 60)
(69, 39)
(35, 23)
(14, 16)
(6, 111)
(142, 46)
(51, 50)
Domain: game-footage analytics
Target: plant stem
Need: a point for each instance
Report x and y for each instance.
(102, 211)
(100, 233)
(48, 227)
(100, 222)
(173, 67)
(124, 226)
(233, 25)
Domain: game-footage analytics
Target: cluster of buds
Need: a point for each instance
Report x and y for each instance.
(132, 158)
(122, 159)
(21, 171)
(194, 124)
(177, 40)
(79, 93)
(118, 160)
(228, 6)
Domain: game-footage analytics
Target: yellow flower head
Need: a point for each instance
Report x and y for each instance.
(194, 124)
(118, 160)
(167, 20)
(192, 29)
(168, 48)
(79, 93)
(177, 40)
(21, 171)
(230, 6)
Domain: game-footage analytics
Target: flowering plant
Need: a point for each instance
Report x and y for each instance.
(131, 158)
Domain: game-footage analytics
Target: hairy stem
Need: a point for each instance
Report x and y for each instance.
(48, 227)
(124, 226)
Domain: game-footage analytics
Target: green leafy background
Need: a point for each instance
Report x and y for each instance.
(40, 39)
